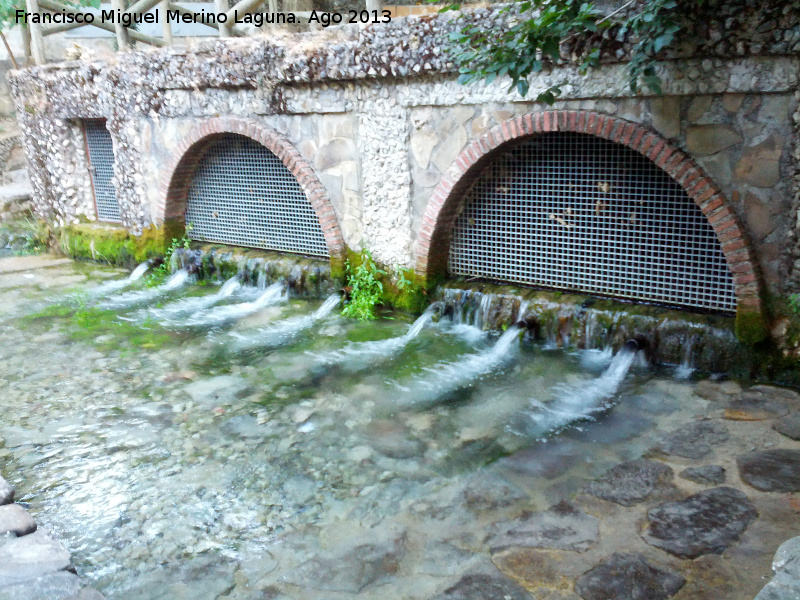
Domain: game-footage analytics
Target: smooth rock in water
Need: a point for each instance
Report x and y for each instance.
(771, 470)
(488, 491)
(205, 577)
(55, 586)
(749, 408)
(695, 440)
(562, 527)
(445, 560)
(30, 557)
(357, 565)
(785, 585)
(122, 437)
(630, 482)
(244, 426)
(152, 411)
(628, 577)
(712, 391)
(710, 474)
(778, 393)
(481, 586)
(6, 492)
(223, 389)
(788, 426)
(15, 519)
(706, 523)
(87, 594)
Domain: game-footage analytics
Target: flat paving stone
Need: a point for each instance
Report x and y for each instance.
(55, 586)
(628, 577)
(695, 440)
(705, 523)
(16, 520)
(482, 586)
(6, 492)
(31, 557)
(789, 426)
(630, 482)
(562, 527)
(709, 474)
(771, 470)
(755, 408)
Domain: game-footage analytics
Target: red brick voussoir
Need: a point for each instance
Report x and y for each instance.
(433, 239)
(174, 185)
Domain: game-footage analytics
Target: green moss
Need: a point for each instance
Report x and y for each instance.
(116, 245)
(750, 326)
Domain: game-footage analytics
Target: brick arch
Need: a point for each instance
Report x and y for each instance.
(174, 186)
(433, 239)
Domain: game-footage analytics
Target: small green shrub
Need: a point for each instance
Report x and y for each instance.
(162, 272)
(366, 288)
(794, 304)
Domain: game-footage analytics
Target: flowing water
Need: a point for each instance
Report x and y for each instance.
(245, 454)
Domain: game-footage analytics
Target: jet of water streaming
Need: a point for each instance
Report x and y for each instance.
(444, 379)
(218, 315)
(114, 286)
(362, 355)
(126, 299)
(583, 400)
(284, 331)
(184, 306)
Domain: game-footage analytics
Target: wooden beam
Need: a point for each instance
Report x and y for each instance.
(123, 41)
(166, 26)
(222, 7)
(26, 42)
(37, 41)
(243, 7)
(54, 6)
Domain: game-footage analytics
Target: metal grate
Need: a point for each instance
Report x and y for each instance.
(242, 194)
(575, 212)
(101, 165)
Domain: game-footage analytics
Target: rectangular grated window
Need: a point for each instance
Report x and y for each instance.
(101, 165)
(575, 212)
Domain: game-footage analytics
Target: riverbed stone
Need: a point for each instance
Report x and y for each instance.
(244, 426)
(6, 492)
(771, 470)
(693, 441)
(55, 586)
(482, 586)
(630, 482)
(628, 577)
(354, 566)
(562, 527)
(30, 557)
(705, 523)
(785, 585)
(16, 520)
(125, 437)
(708, 474)
(789, 426)
(749, 407)
(222, 389)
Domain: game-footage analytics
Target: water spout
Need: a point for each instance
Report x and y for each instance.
(118, 284)
(446, 378)
(217, 315)
(581, 401)
(132, 298)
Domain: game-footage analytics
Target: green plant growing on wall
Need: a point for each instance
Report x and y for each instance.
(162, 272)
(540, 30)
(366, 288)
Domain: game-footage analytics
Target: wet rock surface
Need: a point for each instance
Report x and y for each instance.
(563, 527)
(481, 586)
(771, 470)
(755, 408)
(789, 426)
(706, 523)
(631, 482)
(628, 577)
(6, 492)
(785, 585)
(694, 441)
(707, 475)
(16, 520)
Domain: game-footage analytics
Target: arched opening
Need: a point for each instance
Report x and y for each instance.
(580, 201)
(239, 183)
(575, 212)
(243, 195)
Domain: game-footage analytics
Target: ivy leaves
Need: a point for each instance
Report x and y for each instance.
(539, 32)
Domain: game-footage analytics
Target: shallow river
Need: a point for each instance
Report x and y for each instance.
(188, 443)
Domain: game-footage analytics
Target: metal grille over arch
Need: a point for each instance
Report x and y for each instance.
(242, 194)
(100, 150)
(577, 212)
